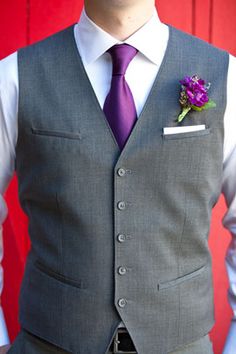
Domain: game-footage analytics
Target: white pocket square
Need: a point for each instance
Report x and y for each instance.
(185, 129)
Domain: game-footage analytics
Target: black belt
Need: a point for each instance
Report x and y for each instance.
(122, 343)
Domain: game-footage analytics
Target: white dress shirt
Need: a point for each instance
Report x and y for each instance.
(92, 43)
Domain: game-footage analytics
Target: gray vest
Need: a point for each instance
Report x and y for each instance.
(117, 235)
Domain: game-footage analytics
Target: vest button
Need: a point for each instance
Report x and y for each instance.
(121, 172)
(121, 205)
(122, 270)
(122, 302)
(121, 238)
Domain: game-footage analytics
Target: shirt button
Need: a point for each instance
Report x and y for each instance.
(121, 172)
(122, 270)
(121, 205)
(121, 238)
(122, 302)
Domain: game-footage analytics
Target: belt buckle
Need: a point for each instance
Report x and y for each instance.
(116, 343)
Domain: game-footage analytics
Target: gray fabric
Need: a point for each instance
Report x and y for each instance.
(200, 346)
(27, 343)
(68, 161)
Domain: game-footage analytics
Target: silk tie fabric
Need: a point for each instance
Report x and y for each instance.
(119, 107)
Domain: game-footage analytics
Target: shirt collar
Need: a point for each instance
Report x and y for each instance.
(93, 41)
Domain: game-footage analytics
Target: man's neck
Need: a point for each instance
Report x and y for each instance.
(120, 23)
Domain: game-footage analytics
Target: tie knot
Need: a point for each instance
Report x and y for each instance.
(121, 55)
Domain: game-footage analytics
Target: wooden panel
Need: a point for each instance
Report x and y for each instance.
(202, 18)
(12, 25)
(219, 241)
(13, 34)
(222, 33)
(176, 13)
(48, 17)
(224, 25)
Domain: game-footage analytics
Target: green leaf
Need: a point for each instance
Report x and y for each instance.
(183, 114)
(196, 108)
(209, 104)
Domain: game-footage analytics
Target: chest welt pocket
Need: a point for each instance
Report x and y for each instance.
(190, 134)
(177, 281)
(56, 133)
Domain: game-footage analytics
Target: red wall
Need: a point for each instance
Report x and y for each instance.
(26, 21)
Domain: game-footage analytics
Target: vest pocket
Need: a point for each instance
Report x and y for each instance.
(192, 134)
(56, 133)
(60, 277)
(177, 281)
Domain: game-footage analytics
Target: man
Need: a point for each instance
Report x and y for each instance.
(118, 193)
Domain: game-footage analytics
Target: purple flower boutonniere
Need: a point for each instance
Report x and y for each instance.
(194, 95)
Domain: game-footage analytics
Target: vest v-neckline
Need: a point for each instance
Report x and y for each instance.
(156, 83)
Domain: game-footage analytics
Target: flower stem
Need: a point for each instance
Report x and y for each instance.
(183, 114)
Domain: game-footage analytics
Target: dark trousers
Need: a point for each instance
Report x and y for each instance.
(27, 343)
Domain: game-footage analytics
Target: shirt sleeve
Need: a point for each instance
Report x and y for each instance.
(229, 192)
(8, 137)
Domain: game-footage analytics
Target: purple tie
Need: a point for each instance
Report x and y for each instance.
(119, 106)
